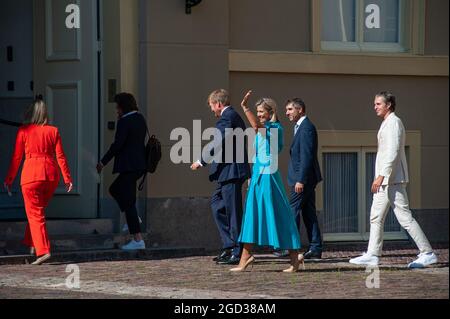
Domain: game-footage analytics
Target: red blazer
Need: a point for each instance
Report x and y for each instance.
(43, 153)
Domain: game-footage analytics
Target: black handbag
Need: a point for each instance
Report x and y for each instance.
(153, 155)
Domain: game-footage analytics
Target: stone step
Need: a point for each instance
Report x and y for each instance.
(108, 255)
(16, 229)
(65, 243)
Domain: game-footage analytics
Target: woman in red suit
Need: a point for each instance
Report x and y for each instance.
(41, 144)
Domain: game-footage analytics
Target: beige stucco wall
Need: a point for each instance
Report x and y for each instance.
(186, 57)
(285, 25)
(436, 32)
(183, 57)
(282, 25)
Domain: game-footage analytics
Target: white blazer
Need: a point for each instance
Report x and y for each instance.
(391, 158)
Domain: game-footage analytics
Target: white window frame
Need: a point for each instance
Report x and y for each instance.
(363, 233)
(411, 31)
(345, 236)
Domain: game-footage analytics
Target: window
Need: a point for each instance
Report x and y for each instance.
(348, 174)
(365, 25)
(340, 192)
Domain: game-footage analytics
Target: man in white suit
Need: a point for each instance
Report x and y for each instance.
(389, 188)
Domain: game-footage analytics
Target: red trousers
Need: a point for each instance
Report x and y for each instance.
(36, 198)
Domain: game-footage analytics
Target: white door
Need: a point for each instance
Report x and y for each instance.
(66, 72)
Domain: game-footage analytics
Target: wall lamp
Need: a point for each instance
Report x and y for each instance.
(190, 4)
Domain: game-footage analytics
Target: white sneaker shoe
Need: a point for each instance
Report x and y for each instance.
(125, 226)
(134, 245)
(366, 259)
(425, 259)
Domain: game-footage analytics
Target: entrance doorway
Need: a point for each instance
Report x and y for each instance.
(63, 65)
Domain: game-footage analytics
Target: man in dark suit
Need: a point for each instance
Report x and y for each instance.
(226, 202)
(128, 151)
(304, 174)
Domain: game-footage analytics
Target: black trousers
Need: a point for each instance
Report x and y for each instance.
(305, 204)
(226, 205)
(123, 190)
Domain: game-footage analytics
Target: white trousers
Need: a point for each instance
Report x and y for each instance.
(394, 196)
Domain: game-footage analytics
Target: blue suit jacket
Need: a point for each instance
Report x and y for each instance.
(128, 148)
(224, 172)
(303, 165)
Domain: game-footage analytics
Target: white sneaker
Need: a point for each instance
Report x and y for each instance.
(125, 226)
(134, 245)
(425, 259)
(366, 259)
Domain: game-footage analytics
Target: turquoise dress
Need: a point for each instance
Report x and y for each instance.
(268, 218)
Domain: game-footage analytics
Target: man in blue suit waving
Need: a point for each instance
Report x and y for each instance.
(304, 174)
(230, 174)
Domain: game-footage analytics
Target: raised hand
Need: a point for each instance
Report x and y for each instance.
(245, 100)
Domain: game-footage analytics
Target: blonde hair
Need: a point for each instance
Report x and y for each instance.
(220, 96)
(37, 113)
(270, 106)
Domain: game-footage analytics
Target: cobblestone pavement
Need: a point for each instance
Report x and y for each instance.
(199, 277)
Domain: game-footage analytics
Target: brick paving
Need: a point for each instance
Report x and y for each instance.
(199, 277)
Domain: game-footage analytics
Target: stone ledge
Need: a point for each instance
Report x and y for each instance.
(107, 255)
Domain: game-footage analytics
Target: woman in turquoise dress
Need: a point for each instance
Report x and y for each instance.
(268, 219)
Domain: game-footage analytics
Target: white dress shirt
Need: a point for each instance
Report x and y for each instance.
(128, 114)
(226, 107)
(299, 122)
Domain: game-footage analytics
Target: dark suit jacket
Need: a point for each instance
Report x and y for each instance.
(223, 172)
(128, 148)
(303, 165)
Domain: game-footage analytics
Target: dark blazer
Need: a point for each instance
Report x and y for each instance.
(223, 172)
(128, 148)
(303, 165)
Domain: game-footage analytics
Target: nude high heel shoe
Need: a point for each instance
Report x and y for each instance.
(249, 262)
(296, 265)
(301, 259)
(42, 259)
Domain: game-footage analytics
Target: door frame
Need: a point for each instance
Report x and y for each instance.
(119, 47)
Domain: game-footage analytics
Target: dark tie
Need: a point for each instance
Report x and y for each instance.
(296, 129)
